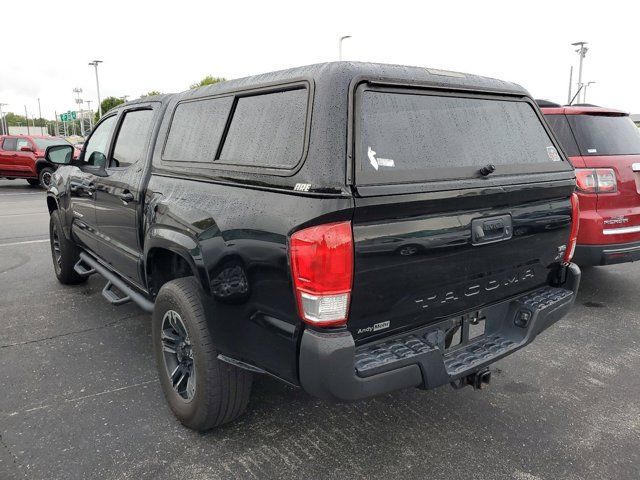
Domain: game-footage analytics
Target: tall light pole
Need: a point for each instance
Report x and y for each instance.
(584, 95)
(90, 115)
(581, 51)
(3, 121)
(95, 64)
(340, 46)
(78, 91)
(40, 116)
(26, 116)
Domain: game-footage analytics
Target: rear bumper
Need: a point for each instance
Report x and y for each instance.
(591, 255)
(332, 367)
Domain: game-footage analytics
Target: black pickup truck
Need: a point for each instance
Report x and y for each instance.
(349, 228)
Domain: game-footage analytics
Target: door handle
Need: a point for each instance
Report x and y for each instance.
(126, 196)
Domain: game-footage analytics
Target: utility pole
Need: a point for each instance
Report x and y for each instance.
(3, 121)
(340, 46)
(40, 116)
(95, 64)
(570, 81)
(581, 51)
(26, 116)
(78, 91)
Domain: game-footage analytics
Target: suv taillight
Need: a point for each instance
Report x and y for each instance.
(596, 180)
(322, 268)
(575, 224)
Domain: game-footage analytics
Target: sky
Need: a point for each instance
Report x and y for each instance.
(167, 45)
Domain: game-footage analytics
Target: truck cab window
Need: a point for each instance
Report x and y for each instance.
(98, 144)
(133, 138)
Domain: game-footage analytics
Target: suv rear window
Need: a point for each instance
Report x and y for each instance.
(605, 134)
(417, 137)
(560, 126)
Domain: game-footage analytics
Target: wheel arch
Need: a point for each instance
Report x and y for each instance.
(170, 254)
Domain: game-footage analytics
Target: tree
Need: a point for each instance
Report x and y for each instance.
(208, 80)
(152, 93)
(107, 104)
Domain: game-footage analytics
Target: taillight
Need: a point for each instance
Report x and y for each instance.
(596, 180)
(322, 268)
(575, 224)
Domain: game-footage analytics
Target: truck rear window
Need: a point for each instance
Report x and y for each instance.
(407, 137)
(605, 134)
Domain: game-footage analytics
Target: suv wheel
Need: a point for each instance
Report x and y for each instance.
(45, 177)
(203, 392)
(65, 253)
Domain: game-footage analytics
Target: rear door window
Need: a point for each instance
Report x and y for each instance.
(605, 134)
(408, 136)
(560, 126)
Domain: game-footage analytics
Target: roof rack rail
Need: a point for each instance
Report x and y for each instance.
(547, 103)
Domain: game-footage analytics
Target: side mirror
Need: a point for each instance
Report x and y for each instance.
(59, 154)
(26, 149)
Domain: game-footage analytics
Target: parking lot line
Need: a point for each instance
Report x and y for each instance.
(22, 243)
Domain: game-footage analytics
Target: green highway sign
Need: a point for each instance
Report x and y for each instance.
(67, 117)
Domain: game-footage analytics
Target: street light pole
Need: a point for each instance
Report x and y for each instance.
(95, 64)
(78, 91)
(581, 51)
(26, 116)
(90, 116)
(340, 46)
(3, 121)
(40, 116)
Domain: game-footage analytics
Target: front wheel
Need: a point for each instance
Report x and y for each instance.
(203, 392)
(45, 177)
(64, 252)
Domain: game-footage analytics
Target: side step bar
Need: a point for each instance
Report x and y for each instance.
(113, 281)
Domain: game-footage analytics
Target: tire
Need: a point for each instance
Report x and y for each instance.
(45, 176)
(64, 253)
(34, 182)
(220, 391)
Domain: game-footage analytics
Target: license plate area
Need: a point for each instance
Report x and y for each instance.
(465, 330)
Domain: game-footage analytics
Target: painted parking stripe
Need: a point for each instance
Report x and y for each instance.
(23, 243)
(20, 193)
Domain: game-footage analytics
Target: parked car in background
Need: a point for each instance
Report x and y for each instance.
(349, 228)
(604, 147)
(22, 156)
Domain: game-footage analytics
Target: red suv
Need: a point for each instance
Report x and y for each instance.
(22, 156)
(604, 147)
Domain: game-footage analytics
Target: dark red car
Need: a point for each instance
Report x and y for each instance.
(604, 147)
(22, 156)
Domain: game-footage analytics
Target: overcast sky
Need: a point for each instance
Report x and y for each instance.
(166, 46)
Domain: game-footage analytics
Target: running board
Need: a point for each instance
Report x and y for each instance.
(81, 269)
(113, 281)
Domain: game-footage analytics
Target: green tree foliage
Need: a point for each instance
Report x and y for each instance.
(14, 120)
(208, 80)
(107, 104)
(152, 93)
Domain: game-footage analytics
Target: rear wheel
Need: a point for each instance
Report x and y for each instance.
(64, 252)
(203, 392)
(34, 182)
(45, 177)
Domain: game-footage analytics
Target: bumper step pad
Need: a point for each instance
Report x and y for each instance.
(500, 338)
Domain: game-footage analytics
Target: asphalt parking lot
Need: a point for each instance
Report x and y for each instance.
(80, 399)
